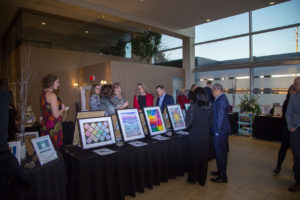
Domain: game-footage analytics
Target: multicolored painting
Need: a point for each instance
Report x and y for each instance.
(176, 116)
(96, 132)
(154, 120)
(130, 124)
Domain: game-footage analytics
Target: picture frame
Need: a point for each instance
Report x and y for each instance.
(154, 120)
(96, 132)
(186, 106)
(277, 111)
(176, 117)
(130, 124)
(166, 119)
(44, 149)
(82, 115)
(15, 149)
(28, 136)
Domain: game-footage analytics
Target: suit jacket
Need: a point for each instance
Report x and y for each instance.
(168, 100)
(209, 93)
(221, 123)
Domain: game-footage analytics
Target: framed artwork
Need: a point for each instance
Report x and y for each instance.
(14, 148)
(277, 111)
(130, 124)
(176, 117)
(96, 132)
(81, 115)
(166, 119)
(154, 120)
(186, 106)
(44, 149)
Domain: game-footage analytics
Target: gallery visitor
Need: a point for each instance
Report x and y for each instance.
(142, 98)
(117, 98)
(94, 101)
(105, 102)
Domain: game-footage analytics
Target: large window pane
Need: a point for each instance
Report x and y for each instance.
(226, 27)
(280, 44)
(166, 56)
(168, 42)
(223, 52)
(275, 16)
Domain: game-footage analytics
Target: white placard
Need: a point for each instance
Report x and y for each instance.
(137, 143)
(44, 149)
(159, 137)
(104, 151)
(182, 132)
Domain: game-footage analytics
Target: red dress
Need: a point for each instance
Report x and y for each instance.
(182, 99)
(49, 124)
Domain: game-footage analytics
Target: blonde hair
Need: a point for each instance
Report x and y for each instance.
(181, 91)
(137, 93)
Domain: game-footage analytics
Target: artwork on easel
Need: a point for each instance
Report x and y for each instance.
(176, 117)
(130, 124)
(28, 137)
(154, 120)
(44, 149)
(96, 132)
(83, 115)
(166, 119)
(14, 148)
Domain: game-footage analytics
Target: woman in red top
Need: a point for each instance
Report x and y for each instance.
(142, 98)
(181, 98)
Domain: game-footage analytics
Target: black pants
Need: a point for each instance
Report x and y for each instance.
(221, 150)
(295, 146)
(285, 145)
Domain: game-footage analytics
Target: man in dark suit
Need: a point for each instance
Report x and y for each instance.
(207, 89)
(221, 131)
(163, 98)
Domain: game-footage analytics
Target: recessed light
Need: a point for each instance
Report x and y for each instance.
(208, 20)
(272, 3)
(141, 0)
(103, 16)
(43, 23)
(86, 32)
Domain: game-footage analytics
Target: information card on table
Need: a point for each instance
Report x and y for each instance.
(159, 137)
(137, 143)
(104, 151)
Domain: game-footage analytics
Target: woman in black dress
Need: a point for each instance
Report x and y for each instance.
(199, 119)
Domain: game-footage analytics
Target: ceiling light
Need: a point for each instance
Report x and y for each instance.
(43, 23)
(282, 75)
(102, 16)
(261, 76)
(222, 78)
(201, 79)
(272, 3)
(208, 20)
(86, 32)
(141, 0)
(210, 79)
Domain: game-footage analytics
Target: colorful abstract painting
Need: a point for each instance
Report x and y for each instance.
(130, 124)
(96, 132)
(154, 120)
(176, 116)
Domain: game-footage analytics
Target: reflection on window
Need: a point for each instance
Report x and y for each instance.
(280, 44)
(223, 52)
(283, 14)
(226, 27)
(165, 56)
(168, 42)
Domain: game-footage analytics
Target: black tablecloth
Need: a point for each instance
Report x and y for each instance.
(268, 128)
(125, 172)
(47, 182)
(233, 119)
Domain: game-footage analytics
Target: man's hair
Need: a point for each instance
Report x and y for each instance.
(208, 83)
(217, 86)
(160, 86)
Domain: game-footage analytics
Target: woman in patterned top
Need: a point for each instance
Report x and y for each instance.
(94, 101)
(51, 114)
(117, 98)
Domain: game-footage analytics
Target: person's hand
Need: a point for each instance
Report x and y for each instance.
(125, 104)
(62, 107)
(293, 129)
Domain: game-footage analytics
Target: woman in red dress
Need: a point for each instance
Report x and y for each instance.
(142, 98)
(52, 110)
(181, 98)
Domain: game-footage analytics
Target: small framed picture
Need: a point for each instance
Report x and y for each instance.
(28, 137)
(44, 149)
(130, 124)
(176, 117)
(14, 148)
(186, 106)
(154, 120)
(96, 132)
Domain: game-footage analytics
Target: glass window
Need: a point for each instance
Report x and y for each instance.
(235, 25)
(283, 14)
(227, 51)
(168, 42)
(281, 43)
(168, 56)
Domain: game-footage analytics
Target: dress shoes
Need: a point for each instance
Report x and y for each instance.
(295, 188)
(276, 171)
(219, 180)
(214, 173)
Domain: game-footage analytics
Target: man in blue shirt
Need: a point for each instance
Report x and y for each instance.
(163, 98)
(209, 92)
(221, 131)
(293, 120)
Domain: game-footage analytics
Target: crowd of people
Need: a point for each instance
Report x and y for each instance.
(207, 119)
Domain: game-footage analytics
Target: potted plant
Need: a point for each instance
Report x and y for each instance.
(250, 104)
